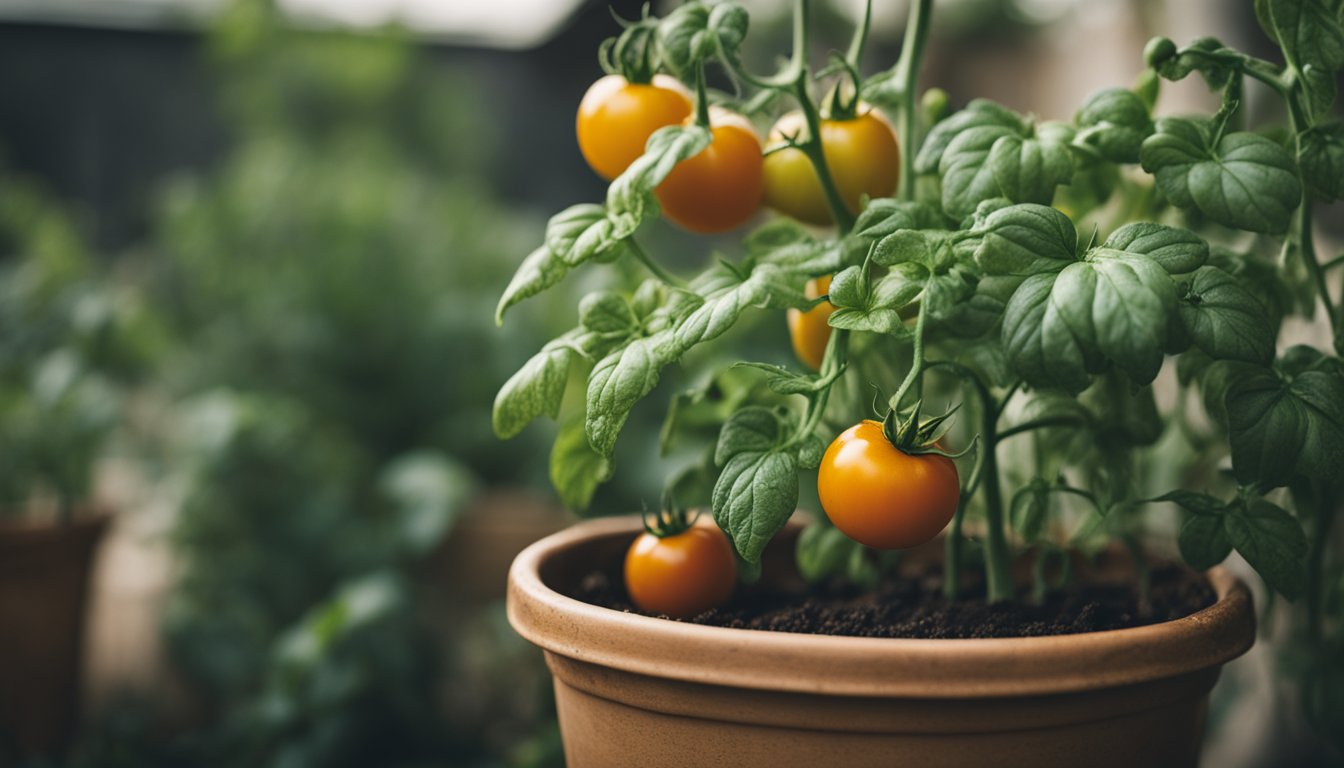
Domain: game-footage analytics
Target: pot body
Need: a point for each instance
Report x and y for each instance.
(633, 690)
(44, 580)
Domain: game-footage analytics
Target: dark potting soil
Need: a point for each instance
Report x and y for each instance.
(915, 608)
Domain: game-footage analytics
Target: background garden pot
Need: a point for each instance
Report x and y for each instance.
(44, 580)
(633, 690)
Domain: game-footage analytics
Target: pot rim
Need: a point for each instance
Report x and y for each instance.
(865, 666)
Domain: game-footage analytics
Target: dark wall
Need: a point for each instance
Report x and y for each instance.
(103, 116)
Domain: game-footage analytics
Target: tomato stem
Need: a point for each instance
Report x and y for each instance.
(860, 40)
(998, 558)
(915, 376)
(907, 74)
(667, 278)
(701, 97)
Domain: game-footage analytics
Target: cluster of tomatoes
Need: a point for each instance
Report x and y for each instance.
(874, 492)
(723, 186)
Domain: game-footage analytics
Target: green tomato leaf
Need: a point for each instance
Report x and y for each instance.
(1279, 429)
(1113, 124)
(1311, 35)
(1024, 240)
(1323, 160)
(576, 469)
(1246, 182)
(607, 312)
(537, 388)
(539, 271)
(620, 380)
(1178, 251)
(1111, 308)
(754, 497)
(810, 452)
(768, 286)
(695, 32)
(1203, 541)
(885, 216)
(786, 244)
(751, 429)
(758, 488)
(1272, 542)
(980, 113)
(1193, 502)
(875, 308)
(1028, 170)
(1225, 320)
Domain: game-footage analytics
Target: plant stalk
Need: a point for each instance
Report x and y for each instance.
(907, 74)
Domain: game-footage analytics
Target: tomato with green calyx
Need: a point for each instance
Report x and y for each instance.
(861, 154)
(721, 187)
(680, 573)
(617, 117)
(808, 330)
(884, 497)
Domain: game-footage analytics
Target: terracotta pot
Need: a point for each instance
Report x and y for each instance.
(633, 690)
(44, 579)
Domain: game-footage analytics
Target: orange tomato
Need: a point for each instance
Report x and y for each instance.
(721, 187)
(861, 154)
(808, 330)
(881, 496)
(616, 118)
(681, 575)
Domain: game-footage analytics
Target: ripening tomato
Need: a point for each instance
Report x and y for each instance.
(881, 496)
(721, 187)
(681, 575)
(808, 330)
(617, 117)
(862, 156)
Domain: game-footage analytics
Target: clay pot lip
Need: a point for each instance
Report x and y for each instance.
(863, 666)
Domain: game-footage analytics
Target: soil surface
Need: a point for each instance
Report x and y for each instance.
(915, 608)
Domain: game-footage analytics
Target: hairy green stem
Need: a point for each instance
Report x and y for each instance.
(860, 39)
(907, 74)
(997, 556)
(998, 560)
(1042, 423)
(667, 278)
(915, 376)
(701, 97)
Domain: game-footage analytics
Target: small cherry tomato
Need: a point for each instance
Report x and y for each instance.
(881, 496)
(862, 156)
(616, 118)
(721, 187)
(808, 330)
(681, 575)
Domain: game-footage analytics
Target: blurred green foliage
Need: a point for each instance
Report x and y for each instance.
(72, 339)
(333, 368)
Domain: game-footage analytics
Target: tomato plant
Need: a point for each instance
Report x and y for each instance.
(1026, 280)
(860, 151)
(680, 568)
